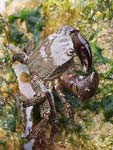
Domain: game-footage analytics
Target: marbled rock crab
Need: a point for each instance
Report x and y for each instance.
(48, 65)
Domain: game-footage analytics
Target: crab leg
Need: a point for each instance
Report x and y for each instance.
(49, 100)
(23, 56)
(54, 120)
(66, 105)
(36, 99)
(45, 113)
(37, 134)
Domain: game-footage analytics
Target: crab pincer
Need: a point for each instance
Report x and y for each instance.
(81, 86)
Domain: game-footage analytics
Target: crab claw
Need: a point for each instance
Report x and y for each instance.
(86, 87)
(83, 87)
(21, 57)
(82, 49)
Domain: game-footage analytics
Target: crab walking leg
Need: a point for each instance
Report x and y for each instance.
(38, 130)
(54, 120)
(36, 99)
(50, 99)
(66, 105)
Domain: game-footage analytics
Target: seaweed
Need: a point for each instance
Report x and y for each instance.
(34, 24)
(107, 105)
(17, 36)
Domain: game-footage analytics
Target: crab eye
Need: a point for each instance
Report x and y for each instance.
(70, 52)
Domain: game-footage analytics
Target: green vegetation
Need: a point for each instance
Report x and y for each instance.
(34, 24)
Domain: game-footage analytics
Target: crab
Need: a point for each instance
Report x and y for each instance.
(48, 65)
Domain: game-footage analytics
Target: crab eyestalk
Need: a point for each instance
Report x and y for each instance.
(82, 49)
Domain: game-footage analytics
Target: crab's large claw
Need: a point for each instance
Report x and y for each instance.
(83, 87)
(82, 49)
